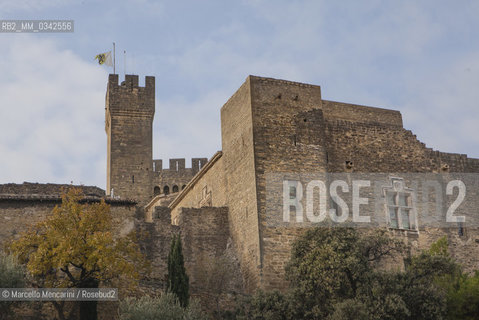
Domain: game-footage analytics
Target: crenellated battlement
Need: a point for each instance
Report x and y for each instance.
(176, 177)
(131, 81)
(129, 114)
(129, 98)
(179, 165)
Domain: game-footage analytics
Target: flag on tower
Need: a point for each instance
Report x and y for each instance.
(104, 58)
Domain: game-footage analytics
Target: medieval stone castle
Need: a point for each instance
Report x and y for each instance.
(222, 204)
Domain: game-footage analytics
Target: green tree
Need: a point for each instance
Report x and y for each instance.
(217, 273)
(12, 275)
(164, 307)
(178, 282)
(330, 265)
(334, 274)
(403, 295)
(76, 247)
(463, 297)
(264, 305)
(350, 309)
(421, 292)
(462, 289)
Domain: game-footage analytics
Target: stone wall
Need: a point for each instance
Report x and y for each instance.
(18, 214)
(207, 189)
(155, 242)
(289, 138)
(162, 200)
(356, 113)
(28, 188)
(205, 237)
(463, 248)
(174, 179)
(374, 147)
(239, 172)
(295, 132)
(204, 233)
(276, 126)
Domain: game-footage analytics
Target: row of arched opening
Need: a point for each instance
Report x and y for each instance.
(166, 190)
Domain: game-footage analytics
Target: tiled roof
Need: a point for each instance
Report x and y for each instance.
(50, 192)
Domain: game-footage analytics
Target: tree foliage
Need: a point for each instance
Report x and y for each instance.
(350, 309)
(12, 275)
(334, 274)
(217, 273)
(264, 305)
(463, 297)
(178, 282)
(462, 289)
(76, 247)
(165, 307)
(331, 265)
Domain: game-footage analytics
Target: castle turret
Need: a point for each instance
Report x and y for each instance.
(129, 112)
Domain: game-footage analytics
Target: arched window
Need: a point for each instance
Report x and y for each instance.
(166, 190)
(175, 188)
(156, 190)
(184, 186)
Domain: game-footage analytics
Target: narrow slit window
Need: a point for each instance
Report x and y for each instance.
(292, 192)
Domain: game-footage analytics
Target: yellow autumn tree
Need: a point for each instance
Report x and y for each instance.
(76, 247)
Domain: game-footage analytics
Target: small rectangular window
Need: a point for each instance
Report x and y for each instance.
(460, 229)
(292, 192)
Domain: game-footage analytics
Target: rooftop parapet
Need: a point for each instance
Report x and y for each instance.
(129, 98)
(131, 81)
(47, 189)
(50, 192)
(179, 164)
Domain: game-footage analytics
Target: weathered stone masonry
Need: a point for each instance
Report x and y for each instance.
(267, 126)
(22, 205)
(272, 125)
(131, 170)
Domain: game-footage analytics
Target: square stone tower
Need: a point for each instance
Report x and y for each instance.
(129, 112)
(268, 125)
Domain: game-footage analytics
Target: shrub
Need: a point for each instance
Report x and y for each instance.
(164, 307)
(12, 275)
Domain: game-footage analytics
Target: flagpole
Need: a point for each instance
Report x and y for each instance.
(124, 61)
(114, 62)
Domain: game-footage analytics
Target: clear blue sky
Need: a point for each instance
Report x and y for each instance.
(419, 57)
